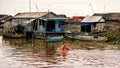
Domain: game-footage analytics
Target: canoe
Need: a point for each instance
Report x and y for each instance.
(55, 38)
(85, 37)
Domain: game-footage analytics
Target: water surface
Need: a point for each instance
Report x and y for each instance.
(21, 53)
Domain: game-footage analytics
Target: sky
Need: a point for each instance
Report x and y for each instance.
(68, 7)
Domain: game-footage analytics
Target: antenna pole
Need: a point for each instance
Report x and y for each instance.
(91, 7)
(37, 7)
(104, 8)
(30, 7)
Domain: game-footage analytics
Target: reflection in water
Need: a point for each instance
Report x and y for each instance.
(36, 46)
(21, 53)
(31, 51)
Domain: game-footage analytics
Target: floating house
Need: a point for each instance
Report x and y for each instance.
(72, 24)
(87, 26)
(112, 21)
(40, 24)
(92, 23)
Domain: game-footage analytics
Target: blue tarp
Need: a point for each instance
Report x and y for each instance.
(57, 29)
(42, 29)
(87, 23)
(84, 24)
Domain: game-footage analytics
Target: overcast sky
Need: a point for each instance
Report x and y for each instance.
(68, 7)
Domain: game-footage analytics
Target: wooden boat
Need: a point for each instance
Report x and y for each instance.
(10, 35)
(55, 38)
(14, 32)
(85, 37)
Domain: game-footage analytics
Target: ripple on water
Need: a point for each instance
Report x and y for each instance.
(12, 57)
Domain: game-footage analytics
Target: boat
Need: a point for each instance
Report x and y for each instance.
(85, 37)
(10, 35)
(14, 32)
(55, 38)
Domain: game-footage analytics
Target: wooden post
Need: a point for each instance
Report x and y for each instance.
(45, 30)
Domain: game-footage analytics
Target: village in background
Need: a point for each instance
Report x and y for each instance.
(103, 27)
(59, 34)
(50, 40)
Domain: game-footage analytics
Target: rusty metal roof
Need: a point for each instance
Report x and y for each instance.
(2, 15)
(30, 14)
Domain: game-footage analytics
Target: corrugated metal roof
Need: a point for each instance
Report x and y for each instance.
(93, 19)
(30, 14)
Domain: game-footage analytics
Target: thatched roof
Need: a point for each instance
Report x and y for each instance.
(109, 16)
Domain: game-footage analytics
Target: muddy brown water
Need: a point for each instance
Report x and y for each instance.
(21, 53)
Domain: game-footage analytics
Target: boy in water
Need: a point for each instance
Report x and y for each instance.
(63, 49)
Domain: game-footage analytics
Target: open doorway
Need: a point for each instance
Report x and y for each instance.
(86, 28)
(50, 26)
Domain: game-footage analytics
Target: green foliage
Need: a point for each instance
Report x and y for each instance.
(1, 33)
(115, 37)
(113, 34)
(100, 46)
